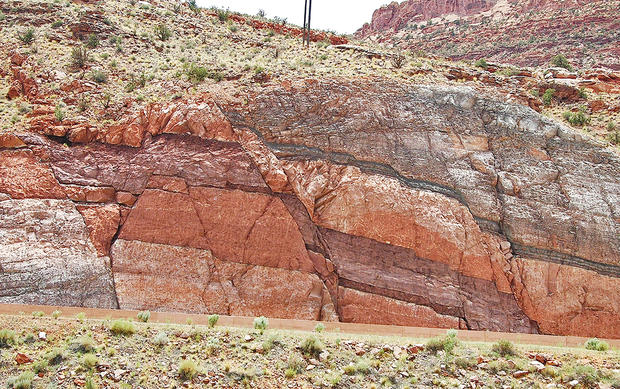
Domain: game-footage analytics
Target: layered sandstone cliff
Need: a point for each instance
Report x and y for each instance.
(359, 201)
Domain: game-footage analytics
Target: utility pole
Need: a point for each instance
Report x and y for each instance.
(307, 17)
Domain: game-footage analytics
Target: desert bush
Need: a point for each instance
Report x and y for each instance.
(23, 381)
(144, 316)
(89, 361)
(213, 320)
(560, 61)
(38, 314)
(59, 114)
(56, 314)
(319, 327)
(261, 323)
(187, 369)
(7, 338)
(398, 60)
(576, 118)
(447, 343)
(271, 341)
(122, 327)
(193, 6)
(84, 344)
(99, 77)
(136, 82)
(223, 15)
(504, 348)
(162, 32)
(596, 344)
(40, 366)
(481, 63)
(290, 373)
(583, 93)
(614, 137)
(54, 356)
(197, 73)
(27, 37)
(79, 57)
(312, 346)
(295, 363)
(90, 383)
(93, 41)
(161, 339)
(547, 97)
(57, 23)
(587, 376)
(362, 366)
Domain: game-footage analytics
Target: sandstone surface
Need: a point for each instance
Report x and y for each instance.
(359, 201)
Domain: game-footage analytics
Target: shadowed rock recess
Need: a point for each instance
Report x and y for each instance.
(367, 201)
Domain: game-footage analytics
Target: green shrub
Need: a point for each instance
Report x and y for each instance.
(312, 346)
(447, 343)
(90, 383)
(89, 361)
(560, 61)
(54, 356)
(223, 15)
(59, 113)
(187, 369)
(197, 73)
(614, 137)
(504, 348)
(193, 6)
(161, 339)
(582, 93)
(40, 366)
(270, 342)
(595, 344)
(56, 314)
(57, 23)
(319, 327)
(295, 363)
(135, 82)
(79, 57)
(92, 41)
(162, 32)
(7, 338)
(23, 381)
(99, 77)
(611, 125)
(548, 97)
(261, 323)
(84, 344)
(576, 118)
(587, 376)
(290, 373)
(481, 63)
(27, 37)
(144, 316)
(213, 320)
(362, 366)
(122, 327)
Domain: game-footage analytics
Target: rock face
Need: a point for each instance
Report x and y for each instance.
(522, 32)
(354, 201)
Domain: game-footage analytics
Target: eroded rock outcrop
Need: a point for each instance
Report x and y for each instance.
(355, 201)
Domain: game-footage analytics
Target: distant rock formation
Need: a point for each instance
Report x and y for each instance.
(523, 32)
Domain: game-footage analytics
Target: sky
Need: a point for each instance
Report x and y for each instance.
(342, 16)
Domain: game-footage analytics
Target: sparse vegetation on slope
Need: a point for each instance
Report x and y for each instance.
(201, 356)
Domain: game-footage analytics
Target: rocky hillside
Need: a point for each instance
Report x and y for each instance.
(173, 159)
(522, 32)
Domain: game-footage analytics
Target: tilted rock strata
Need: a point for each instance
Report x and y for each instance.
(363, 202)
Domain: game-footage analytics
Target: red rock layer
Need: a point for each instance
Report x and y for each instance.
(392, 204)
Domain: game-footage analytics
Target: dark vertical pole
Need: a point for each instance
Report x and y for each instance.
(305, 20)
(309, 16)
